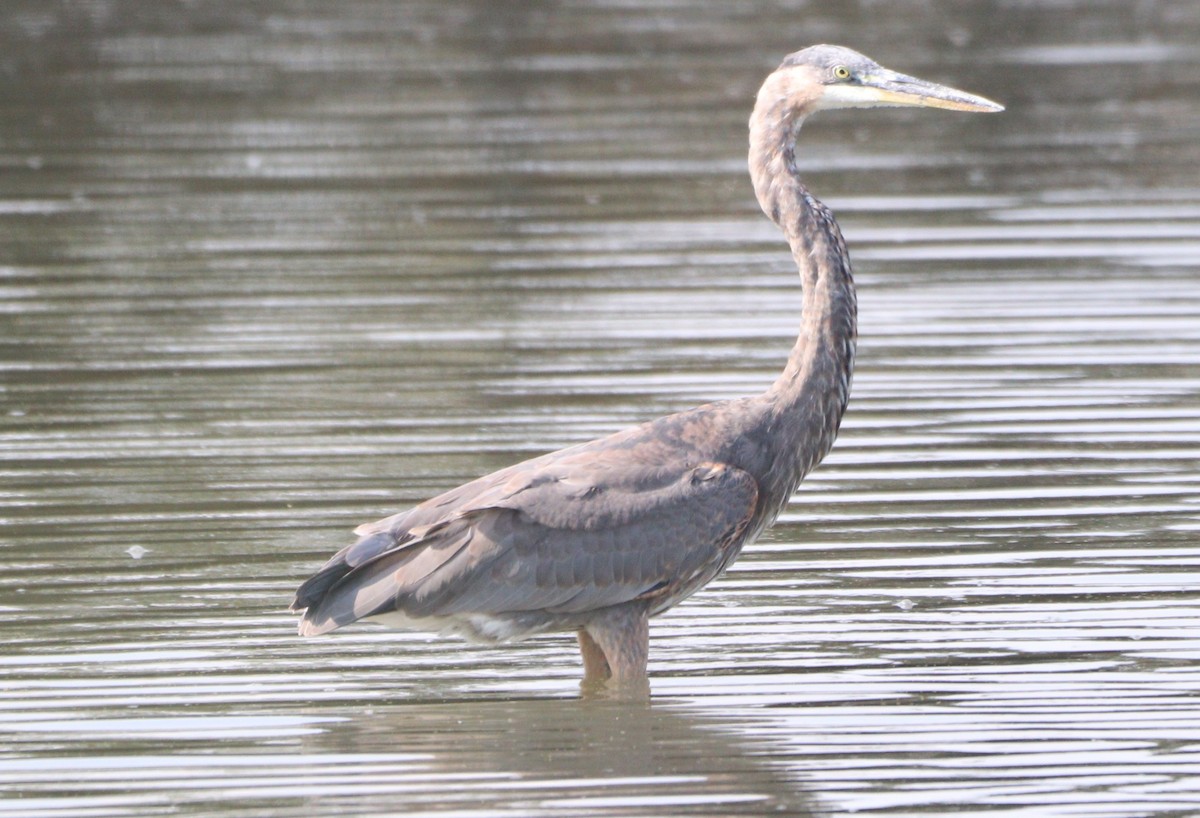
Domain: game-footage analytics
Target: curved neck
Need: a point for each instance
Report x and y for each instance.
(809, 397)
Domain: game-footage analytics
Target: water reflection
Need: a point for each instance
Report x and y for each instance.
(553, 757)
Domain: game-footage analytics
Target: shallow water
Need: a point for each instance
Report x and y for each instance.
(271, 270)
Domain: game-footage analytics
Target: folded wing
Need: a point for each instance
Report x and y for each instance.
(561, 537)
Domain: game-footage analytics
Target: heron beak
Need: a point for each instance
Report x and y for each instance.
(888, 88)
(900, 89)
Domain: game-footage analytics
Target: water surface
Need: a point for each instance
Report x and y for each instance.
(268, 271)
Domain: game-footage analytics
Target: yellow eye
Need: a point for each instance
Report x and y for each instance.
(841, 72)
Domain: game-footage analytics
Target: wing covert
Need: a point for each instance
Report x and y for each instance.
(556, 540)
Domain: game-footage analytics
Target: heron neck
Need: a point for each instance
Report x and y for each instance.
(809, 396)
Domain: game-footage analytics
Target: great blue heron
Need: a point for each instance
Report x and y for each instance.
(599, 537)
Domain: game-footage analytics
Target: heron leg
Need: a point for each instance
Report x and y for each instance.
(595, 666)
(615, 646)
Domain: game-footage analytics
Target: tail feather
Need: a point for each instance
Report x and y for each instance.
(316, 587)
(369, 577)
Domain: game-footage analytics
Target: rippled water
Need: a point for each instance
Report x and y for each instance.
(271, 270)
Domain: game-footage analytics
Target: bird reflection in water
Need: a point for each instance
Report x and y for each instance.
(554, 757)
(597, 538)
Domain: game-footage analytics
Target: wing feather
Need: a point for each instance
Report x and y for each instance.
(562, 539)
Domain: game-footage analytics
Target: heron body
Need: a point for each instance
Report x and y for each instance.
(599, 537)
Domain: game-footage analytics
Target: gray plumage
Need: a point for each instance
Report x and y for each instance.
(598, 537)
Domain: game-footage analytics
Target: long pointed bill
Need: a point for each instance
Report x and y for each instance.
(888, 88)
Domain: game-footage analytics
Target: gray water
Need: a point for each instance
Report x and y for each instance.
(270, 270)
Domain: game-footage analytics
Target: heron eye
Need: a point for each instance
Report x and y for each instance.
(841, 72)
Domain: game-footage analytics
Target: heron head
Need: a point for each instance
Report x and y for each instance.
(824, 77)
